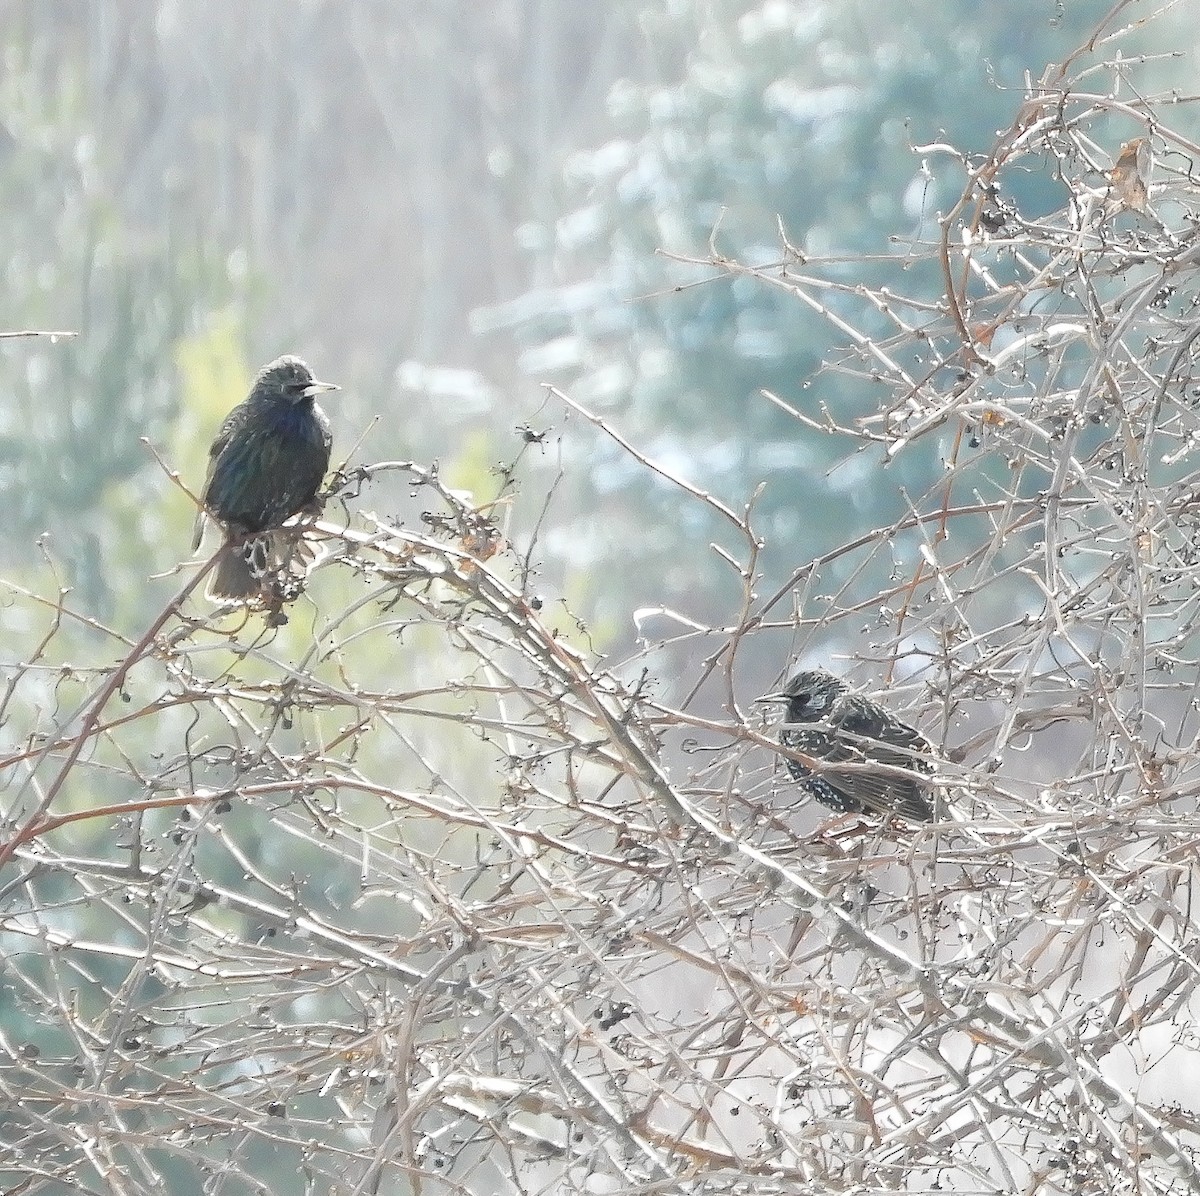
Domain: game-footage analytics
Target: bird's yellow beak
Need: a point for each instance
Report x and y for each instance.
(315, 388)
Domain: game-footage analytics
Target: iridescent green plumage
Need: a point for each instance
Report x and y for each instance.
(265, 465)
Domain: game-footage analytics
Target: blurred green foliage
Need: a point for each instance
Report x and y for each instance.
(80, 252)
(790, 116)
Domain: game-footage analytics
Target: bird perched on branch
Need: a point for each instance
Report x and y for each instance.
(265, 465)
(846, 735)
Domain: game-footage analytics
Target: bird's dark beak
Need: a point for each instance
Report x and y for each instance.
(315, 388)
(780, 697)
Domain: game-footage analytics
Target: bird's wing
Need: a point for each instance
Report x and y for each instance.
(856, 720)
(232, 422)
(866, 719)
(215, 449)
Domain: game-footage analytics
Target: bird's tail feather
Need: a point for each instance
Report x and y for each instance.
(270, 566)
(234, 579)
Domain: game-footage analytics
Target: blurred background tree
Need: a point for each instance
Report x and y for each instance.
(196, 192)
(797, 119)
(374, 187)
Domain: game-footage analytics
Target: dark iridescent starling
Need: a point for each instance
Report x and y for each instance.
(824, 720)
(265, 466)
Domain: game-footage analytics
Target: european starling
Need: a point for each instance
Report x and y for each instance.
(265, 466)
(824, 720)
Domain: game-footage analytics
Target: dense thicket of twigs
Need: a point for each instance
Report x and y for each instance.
(521, 924)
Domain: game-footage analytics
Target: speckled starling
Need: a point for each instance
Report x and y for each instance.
(265, 466)
(847, 734)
